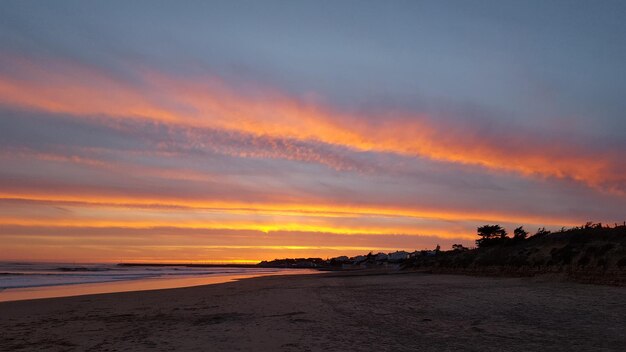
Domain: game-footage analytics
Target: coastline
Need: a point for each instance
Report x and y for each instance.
(130, 285)
(335, 311)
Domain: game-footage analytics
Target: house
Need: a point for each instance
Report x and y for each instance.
(359, 259)
(415, 254)
(381, 257)
(398, 256)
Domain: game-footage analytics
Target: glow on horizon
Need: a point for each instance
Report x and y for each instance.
(277, 207)
(119, 215)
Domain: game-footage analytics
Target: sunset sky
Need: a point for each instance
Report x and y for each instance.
(239, 131)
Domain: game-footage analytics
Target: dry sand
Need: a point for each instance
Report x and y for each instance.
(329, 312)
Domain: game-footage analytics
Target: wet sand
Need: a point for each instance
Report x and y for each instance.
(19, 294)
(329, 312)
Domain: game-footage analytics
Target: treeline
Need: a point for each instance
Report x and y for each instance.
(593, 252)
(490, 235)
(295, 263)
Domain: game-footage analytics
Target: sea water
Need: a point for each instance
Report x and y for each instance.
(43, 280)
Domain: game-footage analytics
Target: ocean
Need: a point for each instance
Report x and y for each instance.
(43, 280)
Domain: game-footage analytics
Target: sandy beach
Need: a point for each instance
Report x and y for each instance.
(329, 312)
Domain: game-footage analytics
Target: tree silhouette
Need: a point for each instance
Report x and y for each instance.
(520, 234)
(490, 235)
(459, 248)
(541, 232)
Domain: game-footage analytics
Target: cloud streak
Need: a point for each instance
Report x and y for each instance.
(267, 123)
(233, 133)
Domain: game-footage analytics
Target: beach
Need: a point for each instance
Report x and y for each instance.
(329, 312)
(26, 281)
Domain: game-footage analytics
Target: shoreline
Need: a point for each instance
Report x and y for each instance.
(129, 285)
(331, 312)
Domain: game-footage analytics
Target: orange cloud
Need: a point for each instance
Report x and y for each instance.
(209, 103)
(280, 207)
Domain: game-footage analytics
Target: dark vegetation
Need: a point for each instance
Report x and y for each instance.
(589, 253)
(295, 263)
(592, 253)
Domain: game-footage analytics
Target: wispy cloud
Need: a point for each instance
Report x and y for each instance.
(268, 123)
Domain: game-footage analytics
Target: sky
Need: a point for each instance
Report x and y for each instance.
(239, 131)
